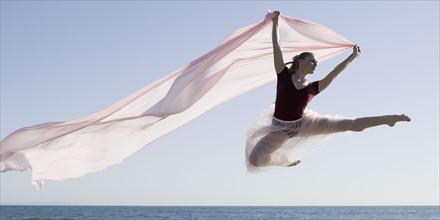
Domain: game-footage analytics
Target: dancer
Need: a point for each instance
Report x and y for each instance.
(287, 130)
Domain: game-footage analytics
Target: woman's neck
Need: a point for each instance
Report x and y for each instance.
(298, 80)
(299, 76)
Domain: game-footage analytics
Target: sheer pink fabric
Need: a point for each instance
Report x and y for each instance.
(241, 63)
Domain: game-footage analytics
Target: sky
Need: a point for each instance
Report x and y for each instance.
(63, 60)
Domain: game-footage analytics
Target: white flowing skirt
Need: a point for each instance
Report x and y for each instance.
(273, 142)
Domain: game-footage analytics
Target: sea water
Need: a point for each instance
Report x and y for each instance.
(221, 212)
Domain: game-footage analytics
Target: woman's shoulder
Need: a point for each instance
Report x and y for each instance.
(314, 87)
(284, 71)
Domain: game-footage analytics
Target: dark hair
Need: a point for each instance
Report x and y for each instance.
(294, 67)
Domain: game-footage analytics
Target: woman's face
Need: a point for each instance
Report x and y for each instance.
(308, 64)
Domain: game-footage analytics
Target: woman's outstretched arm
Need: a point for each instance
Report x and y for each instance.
(277, 54)
(324, 83)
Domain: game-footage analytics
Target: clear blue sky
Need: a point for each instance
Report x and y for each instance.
(63, 60)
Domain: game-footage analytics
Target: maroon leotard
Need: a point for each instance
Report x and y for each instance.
(290, 102)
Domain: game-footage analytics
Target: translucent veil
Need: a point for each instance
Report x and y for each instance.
(241, 63)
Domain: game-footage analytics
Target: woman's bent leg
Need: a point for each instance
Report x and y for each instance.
(261, 154)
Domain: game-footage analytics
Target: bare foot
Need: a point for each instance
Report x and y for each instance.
(294, 163)
(396, 118)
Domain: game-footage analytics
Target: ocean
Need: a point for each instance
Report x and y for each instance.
(10, 212)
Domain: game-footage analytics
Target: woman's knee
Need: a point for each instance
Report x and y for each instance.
(258, 160)
(254, 161)
(261, 154)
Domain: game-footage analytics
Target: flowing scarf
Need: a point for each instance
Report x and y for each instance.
(241, 63)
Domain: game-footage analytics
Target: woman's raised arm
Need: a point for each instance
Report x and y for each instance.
(277, 54)
(325, 82)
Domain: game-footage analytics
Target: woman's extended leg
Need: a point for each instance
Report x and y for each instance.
(361, 124)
